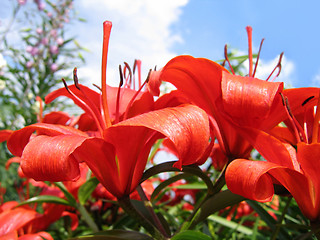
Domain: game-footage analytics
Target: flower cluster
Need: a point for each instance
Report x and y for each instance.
(213, 118)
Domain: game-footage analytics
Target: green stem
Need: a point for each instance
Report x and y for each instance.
(87, 218)
(150, 209)
(216, 188)
(127, 206)
(276, 231)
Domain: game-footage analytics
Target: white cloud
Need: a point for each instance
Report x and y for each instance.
(141, 30)
(265, 68)
(316, 80)
(287, 70)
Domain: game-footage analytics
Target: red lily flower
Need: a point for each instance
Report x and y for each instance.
(14, 219)
(118, 153)
(296, 170)
(225, 97)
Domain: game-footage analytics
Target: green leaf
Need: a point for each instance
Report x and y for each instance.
(191, 235)
(115, 235)
(67, 194)
(195, 185)
(230, 224)
(267, 218)
(217, 202)
(86, 189)
(46, 199)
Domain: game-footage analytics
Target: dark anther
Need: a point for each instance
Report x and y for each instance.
(75, 78)
(65, 85)
(149, 73)
(307, 100)
(121, 76)
(129, 69)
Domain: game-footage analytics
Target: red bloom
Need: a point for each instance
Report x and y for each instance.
(13, 219)
(297, 170)
(118, 152)
(229, 100)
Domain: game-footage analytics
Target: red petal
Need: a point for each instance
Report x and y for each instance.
(154, 82)
(37, 236)
(186, 126)
(272, 149)
(248, 101)
(56, 118)
(254, 180)
(296, 97)
(309, 156)
(19, 139)
(100, 156)
(198, 78)
(16, 218)
(49, 158)
(5, 134)
(13, 235)
(91, 95)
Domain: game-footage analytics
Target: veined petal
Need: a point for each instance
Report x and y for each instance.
(271, 148)
(296, 98)
(199, 79)
(154, 82)
(187, 126)
(257, 183)
(5, 134)
(56, 118)
(248, 101)
(13, 235)
(14, 219)
(100, 156)
(19, 139)
(37, 236)
(90, 94)
(49, 158)
(250, 179)
(309, 156)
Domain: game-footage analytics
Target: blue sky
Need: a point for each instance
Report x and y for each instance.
(291, 27)
(157, 30)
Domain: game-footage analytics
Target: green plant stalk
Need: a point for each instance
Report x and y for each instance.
(87, 218)
(276, 231)
(149, 207)
(126, 205)
(214, 189)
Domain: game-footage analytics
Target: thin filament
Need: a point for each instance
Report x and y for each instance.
(84, 106)
(227, 59)
(277, 66)
(132, 99)
(296, 127)
(87, 100)
(118, 95)
(106, 34)
(137, 64)
(256, 65)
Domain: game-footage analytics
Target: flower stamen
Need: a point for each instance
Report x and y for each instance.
(278, 66)
(249, 32)
(85, 106)
(256, 65)
(106, 35)
(227, 59)
(298, 131)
